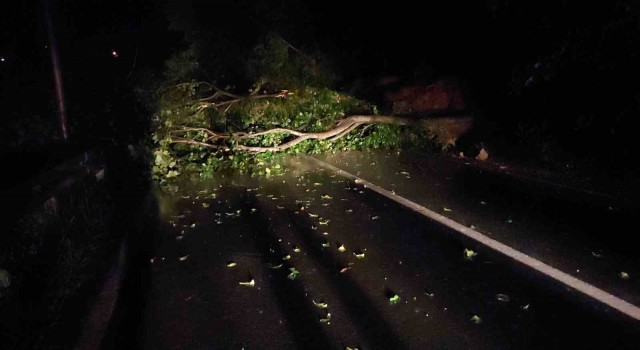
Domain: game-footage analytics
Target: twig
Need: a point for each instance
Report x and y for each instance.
(295, 49)
(135, 59)
(205, 130)
(194, 142)
(205, 105)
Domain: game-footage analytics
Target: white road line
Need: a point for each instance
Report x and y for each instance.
(562, 277)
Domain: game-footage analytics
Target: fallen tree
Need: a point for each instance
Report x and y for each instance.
(202, 127)
(203, 124)
(258, 125)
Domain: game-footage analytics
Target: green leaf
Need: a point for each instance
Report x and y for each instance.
(320, 305)
(293, 274)
(469, 254)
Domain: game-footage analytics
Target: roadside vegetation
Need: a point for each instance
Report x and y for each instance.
(51, 263)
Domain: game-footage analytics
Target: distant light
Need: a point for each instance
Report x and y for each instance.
(114, 53)
(2, 59)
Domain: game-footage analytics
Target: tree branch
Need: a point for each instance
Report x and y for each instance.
(218, 92)
(341, 129)
(194, 142)
(213, 134)
(241, 136)
(345, 132)
(204, 105)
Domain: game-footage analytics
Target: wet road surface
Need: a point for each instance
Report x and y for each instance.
(311, 260)
(590, 237)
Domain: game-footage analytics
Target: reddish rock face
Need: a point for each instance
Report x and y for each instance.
(443, 95)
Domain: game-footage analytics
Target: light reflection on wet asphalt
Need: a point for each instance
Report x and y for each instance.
(311, 260)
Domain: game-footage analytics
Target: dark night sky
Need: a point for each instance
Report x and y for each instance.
(372, 39)
(454, 36)
(391, 37)
(568, 57)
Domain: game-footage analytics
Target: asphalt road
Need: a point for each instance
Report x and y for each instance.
(312, 260)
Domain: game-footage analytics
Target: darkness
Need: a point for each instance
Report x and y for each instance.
(553, 84)
(563, 71)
